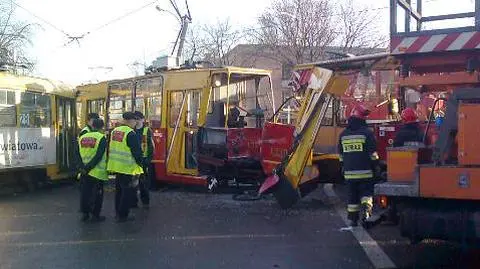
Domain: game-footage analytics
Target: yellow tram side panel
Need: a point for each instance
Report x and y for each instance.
(45, 86)
(175, 81)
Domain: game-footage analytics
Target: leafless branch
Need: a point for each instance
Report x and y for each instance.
(214, 42)
(14, 37)
(297, 31)
(359, 27)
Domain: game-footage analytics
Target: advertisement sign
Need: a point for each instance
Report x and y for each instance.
(23, 147)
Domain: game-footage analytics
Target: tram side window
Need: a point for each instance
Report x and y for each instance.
(8, 113)
(96, 106)
(35, 110)
(79, 113)
(193, 108)
(176, 99)
(155, 108)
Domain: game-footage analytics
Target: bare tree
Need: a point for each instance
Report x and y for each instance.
(297, 31)
(14, 37)
(213, 43)
(359, 27)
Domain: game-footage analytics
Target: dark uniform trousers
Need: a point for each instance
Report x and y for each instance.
(360, 194)
(124, 191)
(143, 187)
(91, 199)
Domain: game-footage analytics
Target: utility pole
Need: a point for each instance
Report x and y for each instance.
(184, 21)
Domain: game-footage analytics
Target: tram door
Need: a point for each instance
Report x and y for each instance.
(184, 114)
(65, 133)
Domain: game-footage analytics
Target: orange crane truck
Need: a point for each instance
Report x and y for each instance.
(433, 191)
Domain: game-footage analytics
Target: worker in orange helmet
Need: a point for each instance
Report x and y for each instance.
(359, 159)
(410, 133)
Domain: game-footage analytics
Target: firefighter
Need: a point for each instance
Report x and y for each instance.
(410, 133)
(92, 147)
(88, 127)
(145, 138)
(359, 160)
(125, 161)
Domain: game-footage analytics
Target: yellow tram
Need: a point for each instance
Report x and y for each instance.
(177, 103)
(37, 130)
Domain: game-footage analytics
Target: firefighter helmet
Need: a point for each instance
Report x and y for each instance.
(409, 115)
(360, 111)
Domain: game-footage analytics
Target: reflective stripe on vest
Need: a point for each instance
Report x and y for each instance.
(353, 143)
(120, 159)
(86, 128)
(88, 145)
(144, 141)
(358, 174)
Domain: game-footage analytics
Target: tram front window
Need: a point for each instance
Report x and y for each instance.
(250, 95)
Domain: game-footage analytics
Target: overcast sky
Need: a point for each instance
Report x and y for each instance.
(141, 36)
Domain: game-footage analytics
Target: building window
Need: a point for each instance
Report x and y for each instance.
(287, 71)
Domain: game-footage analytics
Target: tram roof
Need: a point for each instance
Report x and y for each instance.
(225, 69)
(100, 89)
(36, 84)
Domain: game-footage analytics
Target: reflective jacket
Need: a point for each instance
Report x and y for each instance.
(85, 130)
(121, 158)
(358, 150)
(146, 141)
(92, 151)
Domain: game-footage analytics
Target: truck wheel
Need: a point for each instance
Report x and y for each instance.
(392, 216)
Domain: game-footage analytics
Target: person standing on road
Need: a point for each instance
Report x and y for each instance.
(145, 138)
(125, 161)
(359, 160)
(88, 127)
(92, 148)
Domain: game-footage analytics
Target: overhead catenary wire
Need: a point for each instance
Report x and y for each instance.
(119, 18)
(41, 19)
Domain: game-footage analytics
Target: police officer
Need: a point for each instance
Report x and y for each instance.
(88, 127)
(359, 159)
(92, 147)
(125, 161)
(145, 137)
(410, 133)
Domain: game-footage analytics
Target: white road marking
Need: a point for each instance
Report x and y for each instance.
(130, 240)
(376, 255)
(227, 236)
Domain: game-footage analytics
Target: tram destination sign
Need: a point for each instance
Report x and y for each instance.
(26, 147)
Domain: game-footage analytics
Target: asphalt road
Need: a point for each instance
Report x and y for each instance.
(199, 230)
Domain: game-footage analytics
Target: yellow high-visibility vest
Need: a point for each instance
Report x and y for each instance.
(120, 158)
(88, 145)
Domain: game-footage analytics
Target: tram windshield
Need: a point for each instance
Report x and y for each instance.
(245, 97)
